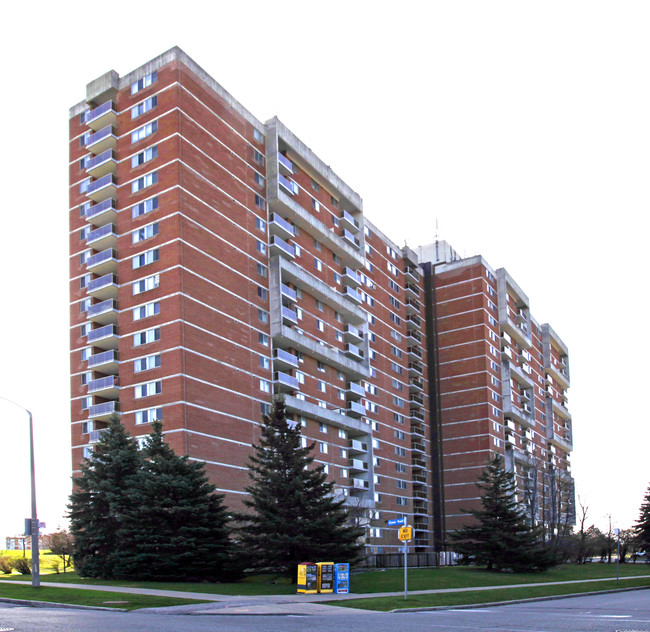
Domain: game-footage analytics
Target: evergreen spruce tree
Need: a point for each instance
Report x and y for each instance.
(175, 527)
(642, 526)
(295, 517)
(100, 500)
(501, 538)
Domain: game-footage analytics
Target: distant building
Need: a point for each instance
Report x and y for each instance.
(24, 542)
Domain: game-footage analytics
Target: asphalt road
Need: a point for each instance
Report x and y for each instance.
(628, 611)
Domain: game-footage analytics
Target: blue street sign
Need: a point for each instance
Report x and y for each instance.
(396, 522)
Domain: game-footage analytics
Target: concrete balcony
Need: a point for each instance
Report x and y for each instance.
(511, 411)
(101, 165)
(282, 248)
(284, 360)
(106, 362)
(102, 213)
(416, 385)
(285, 383)
(559, 409)
(354, 352)
(288, 185)
(298, 277)
(562, 441)
(331, 417)
(103, 188)
(416, 399)
(346, 221)
(354, 391)
(102, 237)
(103, 262)
(413, 337)
(104, 337)
(412, 291)
(415, 369)
(412, 274)
(358, 485)
(412, 306)
(104, 411)
(349, 237)
(522, 456)
(100, 117)
(357, 465)
(417, 429)
(285, 205)
(417, 445)
(289, 316)
(104, 287)
(357, 447)
(413, 322)
(522, 377)
(285, 165)
(352, 294)
(280, 227)
(289, 338)
(288, 294)
(95, 435)
(416, 415)
(559, 374)
(104, 313)
(354, 409)
(102, 140)
(350, 277)
(516, 332)
(352, 334)
(106, 387)
(414, 353)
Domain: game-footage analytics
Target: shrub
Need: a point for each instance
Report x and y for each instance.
(6, 565)
(23, 565)
(54, 565)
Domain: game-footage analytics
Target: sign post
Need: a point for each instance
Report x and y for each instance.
(405, 535)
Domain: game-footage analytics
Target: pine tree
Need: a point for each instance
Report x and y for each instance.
(175, 527)
(642, 526)
(501, 538)
(99, 500)
(295, 517)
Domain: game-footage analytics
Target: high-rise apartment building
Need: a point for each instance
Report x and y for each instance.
(217, 261)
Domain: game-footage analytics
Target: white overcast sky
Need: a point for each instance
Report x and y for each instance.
(521, 128)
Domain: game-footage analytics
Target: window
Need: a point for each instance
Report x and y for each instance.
(258, 157)
(397, 418)
(144, 131)
(83, 186)
(393, 286)
(395, 318)
(262, 292)
(146, 81)
(145, 258)
(322, 387)
(144, 311)
(265, 409)
(318, 264)
(84, 305)
(148, 416)
(263, 339)
(259, 179)
(260, 224)
(144, 156)
(144, 182)
(262, 316)
(265, 386)
(399, 434)
(323, 447)
(259, 202)
(401, 501)
(392, 268)
(258, 136)
(146, 364)
(394, 302)
(144, 233)
(400, 467)
(400, 484)
(315, 185)
(319, 365)
(400, 451)
(86, 403)
(391, 252)
(86, 353)
(300, 376)
(84, 329)
(261, 247)
(146, 284)
(148, 389)
(315, 204)
(320, 325)
(319, 305)
(322, 427)
(261, 270)
(145, 106)
(265, 363)
(396, 352)
(144, 207)
(145, 337)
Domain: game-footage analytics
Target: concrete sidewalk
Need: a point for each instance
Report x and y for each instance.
(295, 604)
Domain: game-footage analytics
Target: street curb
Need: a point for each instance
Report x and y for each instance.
(54, 604)
(491, 604)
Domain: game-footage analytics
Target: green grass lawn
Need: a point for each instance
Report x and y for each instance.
(80, 597)
(483, 596)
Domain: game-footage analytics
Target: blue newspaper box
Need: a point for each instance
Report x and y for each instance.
(341, 578)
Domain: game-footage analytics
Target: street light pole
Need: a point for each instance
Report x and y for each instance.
(36, 576)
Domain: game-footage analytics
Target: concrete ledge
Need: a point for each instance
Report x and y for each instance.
(54, 604)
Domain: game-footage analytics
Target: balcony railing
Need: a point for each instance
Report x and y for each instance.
(103, 261)
(289, 316)
(102, 334)
(103, 188)
(352, 294)
(106, 357)
(102, 237)
(280, 227)
(346, 220)
(105, 207)
(284, 359)
(288, 185)
(104, 312)
(103, 384)
(353, 351)
(280, 247)
(350, 238)
(104, 287)
(101, 115)
(103, 410)
(288, 293)
(285, 382)
(285, 163)
(357, 447)
(351, 277)
(355, 409)
(102, 140)
(354, 390)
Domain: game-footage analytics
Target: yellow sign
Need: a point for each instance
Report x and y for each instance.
(405, 533)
